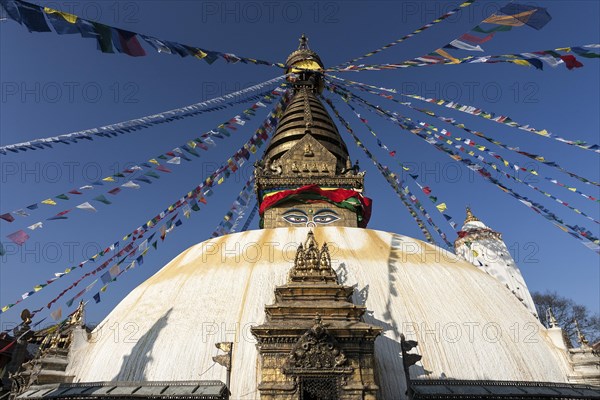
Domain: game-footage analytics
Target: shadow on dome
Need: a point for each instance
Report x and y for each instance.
(133, 367)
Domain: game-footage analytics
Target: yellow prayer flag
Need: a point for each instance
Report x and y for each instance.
(68, 17)
(476, 254)
(543, 132)
(441, 207)
(510, 20)
(506, 163)
(103, 288)
(37, 288)
(534, 172)
(200, 54)
(5, 308)
(448, 56)
(50, 202)
(572, 189)
(108, 179)
(153, 161)
(521, 62)
(221, 180)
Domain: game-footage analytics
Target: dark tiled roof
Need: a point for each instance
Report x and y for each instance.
(462, 389)
(213, 390)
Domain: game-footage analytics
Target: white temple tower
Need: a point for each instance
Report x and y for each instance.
(484, 248)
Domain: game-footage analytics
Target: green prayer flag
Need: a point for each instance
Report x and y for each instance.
(152, 174)
(62, 197)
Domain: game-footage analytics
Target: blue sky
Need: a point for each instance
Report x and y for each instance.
(58, 84)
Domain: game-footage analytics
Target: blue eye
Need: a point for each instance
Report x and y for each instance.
(296, 218)
(325, 218)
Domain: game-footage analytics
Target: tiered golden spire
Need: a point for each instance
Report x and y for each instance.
(470, 216)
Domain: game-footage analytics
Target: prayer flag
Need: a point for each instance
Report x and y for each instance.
(131, 185)
(102, 199)
(86, 207)
(535, 17)
(19, 237)
(37, 225)
(7, 217)
(32, 17)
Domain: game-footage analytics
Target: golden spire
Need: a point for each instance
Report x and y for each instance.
(580, 336)
(470, 216)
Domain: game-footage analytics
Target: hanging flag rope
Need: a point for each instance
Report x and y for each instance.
(452, 121)
(217, 103)
(237, 209)
(510, 16)
(584, 236)
(110, 39)
(250, 218)
(416, 32)
(447, 138)
(469, 142)
(147, 170)
(115, 271)
(425, 189)
(396, 183)
(528, 59)
(197, 194)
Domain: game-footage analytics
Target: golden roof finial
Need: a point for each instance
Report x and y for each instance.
(580, 336)
(303, 42)
(470, 216)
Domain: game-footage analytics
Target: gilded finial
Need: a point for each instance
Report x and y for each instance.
(470, 216)
(303, 42)
(580, 336)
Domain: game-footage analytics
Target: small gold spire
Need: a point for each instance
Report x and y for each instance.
(470, 216)
(580, 336)
(303, 42)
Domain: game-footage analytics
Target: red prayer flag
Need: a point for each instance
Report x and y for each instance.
(7, 217)
(571, 62)
(476, 39)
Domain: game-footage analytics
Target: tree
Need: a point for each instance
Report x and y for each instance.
(566, 311)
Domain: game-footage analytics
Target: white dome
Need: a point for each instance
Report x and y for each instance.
(467, 324)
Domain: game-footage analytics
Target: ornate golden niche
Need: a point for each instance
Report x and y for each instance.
(330, 356)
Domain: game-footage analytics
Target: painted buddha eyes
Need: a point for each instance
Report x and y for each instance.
(321, 217)
(296, 218)
(325, 218)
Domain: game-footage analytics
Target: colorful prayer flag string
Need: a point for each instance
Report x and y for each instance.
(238, 207)
(416, 32)
(511, 15)
(217, 103)
(535, 59)
(584, 236)
(109, 38)
(396, 183)
(198, 193)
(426, 190)
(172, 157)
(250, 218)
(432, 130)
(536, 157)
